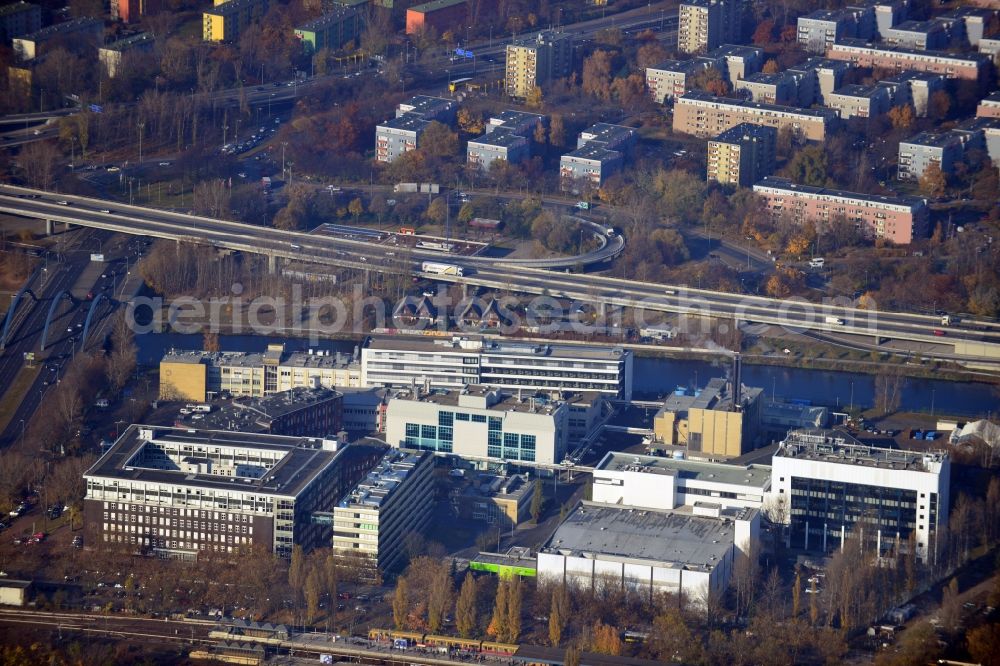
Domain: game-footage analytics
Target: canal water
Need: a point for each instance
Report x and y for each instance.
(657, 376)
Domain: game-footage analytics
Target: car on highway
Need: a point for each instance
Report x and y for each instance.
(113, 169)
(62, 202)
(105, 210)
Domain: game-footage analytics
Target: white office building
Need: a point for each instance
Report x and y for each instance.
(480, 424)
(377, 514)
(652, 482)
(459, 361)
(689, 551)
(833, 486)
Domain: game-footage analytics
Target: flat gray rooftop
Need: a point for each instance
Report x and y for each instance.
(837, 446)
(474, 345)
(678, 537)
(751, 476)
(304, 458)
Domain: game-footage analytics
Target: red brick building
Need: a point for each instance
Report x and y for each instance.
(441, 15)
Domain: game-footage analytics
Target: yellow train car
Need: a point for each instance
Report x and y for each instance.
(415, 637)
(453, 642)
(505, 649)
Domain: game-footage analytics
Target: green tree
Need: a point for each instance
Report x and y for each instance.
(672, 639)
(808, 167)
(537, 497)
(466, 607)
(438, 140)
(401, 603)
(437, 211)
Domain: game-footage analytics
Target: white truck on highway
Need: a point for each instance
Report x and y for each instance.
(834, 320)
(441, 269)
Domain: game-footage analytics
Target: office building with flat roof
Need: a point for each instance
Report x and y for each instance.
(176, 492)
(77, 35)
(857, 101)
(654, 482)
(742, 155)
(833, 486)
(868, 54)
(201, 376)
(461, 360)
(392, 501)
(480, 424)
(114, 54)
(332, 30)
(689, 551)
(299, 412)
(705, 115)
(711, 422)
(899, 219)
(702, 25)
(537, 61)
(19, 18)
(503, 501)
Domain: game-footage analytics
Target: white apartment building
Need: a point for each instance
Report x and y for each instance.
(652, 482)
(459, 361)
(833, 485)
(392, 501)
(480, 424)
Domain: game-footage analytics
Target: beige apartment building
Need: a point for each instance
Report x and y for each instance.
(705, 115)
(867, 54)
(742, 155)
(703, 25)
(534, 62)
(897, 219)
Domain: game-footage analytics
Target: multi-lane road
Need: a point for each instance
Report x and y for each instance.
(973, 341)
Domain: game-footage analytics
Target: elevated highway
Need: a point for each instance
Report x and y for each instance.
(974, 341)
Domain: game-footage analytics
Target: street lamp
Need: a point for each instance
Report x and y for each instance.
(141, 125)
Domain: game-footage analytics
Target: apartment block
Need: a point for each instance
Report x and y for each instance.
(76, 35)
(112, 55)
(459, 361)
(600, 153)
(200, 376)
(129, 11)
(669, 79)
(834, 487)
(19, 18)
(897, 219)
(402, 134)
(226, 21)
(713, 422)
(778, 88)
(917, 35)
(822, 28)
(817, 78)
(535, 62)
(705, 115)
(331, 31)
(990, 48)
(989, 107)
(391, 502)
(889, 13)
(179, 492)
(738, 62)
(437, 15)
(856, 101)
(508, 137)
(913, 88)
(918, 152)
(976, 22)
(868, 54)
(702, 25)
(480, 424)
(522, 123)
(742, 155)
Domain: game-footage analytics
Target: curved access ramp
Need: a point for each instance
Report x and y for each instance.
(52, 309)
(10, 311)
(90, 316)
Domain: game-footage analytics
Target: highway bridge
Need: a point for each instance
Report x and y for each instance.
(974, 343)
